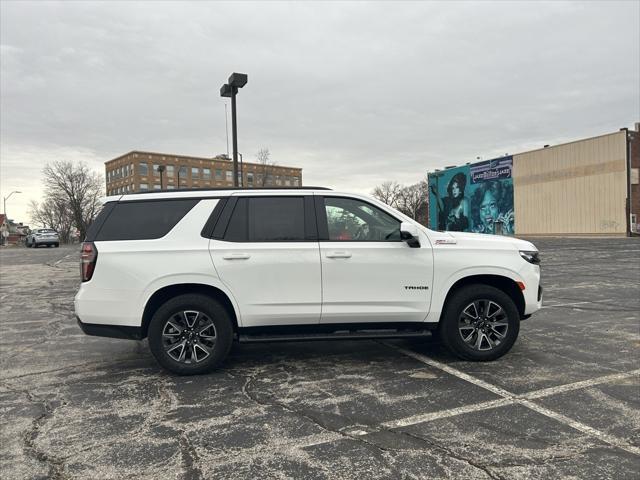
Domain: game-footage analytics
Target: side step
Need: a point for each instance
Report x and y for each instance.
(339, 335)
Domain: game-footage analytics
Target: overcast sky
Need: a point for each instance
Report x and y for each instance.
(354, 93)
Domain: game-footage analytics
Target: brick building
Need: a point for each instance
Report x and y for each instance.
(138, 171)
(634, 177)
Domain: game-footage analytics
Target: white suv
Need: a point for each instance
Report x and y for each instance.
(195, 270)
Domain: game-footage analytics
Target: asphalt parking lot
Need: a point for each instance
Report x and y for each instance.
(564, 403)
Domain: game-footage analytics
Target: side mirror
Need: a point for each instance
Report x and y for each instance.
(409, 233)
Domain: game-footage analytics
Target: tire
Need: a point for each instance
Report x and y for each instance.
(179, 340)
(56, 245)
(489, 336)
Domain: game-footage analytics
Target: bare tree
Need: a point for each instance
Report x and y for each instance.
(264, 170)
(77, 188)
(388, 192)
(413, 201)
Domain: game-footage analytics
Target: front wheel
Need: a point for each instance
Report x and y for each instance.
(190, 334)
(479, 323)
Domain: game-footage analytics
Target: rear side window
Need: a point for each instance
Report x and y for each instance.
(143, 220)
(267, 219)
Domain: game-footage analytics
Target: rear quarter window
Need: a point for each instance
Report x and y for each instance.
(143, 220)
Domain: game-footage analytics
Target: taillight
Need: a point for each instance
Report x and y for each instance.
(88, 257)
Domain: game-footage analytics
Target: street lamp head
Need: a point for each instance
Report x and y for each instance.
(226, 90)
(238, 80)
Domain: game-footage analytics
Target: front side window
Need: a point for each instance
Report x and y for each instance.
(267, 219)
(354, 220)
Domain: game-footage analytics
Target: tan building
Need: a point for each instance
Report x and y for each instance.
(578, 188)
(138, 171)
(585, 187)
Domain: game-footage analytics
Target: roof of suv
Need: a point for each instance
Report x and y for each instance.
(208, 192)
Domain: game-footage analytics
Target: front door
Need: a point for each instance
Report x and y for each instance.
(368, 273)
(268, 257)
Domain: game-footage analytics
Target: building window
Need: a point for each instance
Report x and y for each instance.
(170, 187)
(144, 187)
(144, 169)
(229, 176)
(206, 173)
(296, 182)
(170, 171)
(195, 172)
(156, 186)
(182, 173)
(218, 174)
(250, 179)
(156, 172)
(131, 169)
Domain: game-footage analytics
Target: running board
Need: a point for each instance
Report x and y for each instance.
(342, 335)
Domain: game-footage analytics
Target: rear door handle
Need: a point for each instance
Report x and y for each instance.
(339, 255)
(236, 256)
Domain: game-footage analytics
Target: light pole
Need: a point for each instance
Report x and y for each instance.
(7, 198)
(236, 81)
(241, 172)
(161, 169)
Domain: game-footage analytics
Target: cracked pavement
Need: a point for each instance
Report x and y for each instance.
(564, 403)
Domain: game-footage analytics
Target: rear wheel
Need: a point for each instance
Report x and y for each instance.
(56, 245)
(190, 334)
(480, 323)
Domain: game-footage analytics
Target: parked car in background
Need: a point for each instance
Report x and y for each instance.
(43, 236)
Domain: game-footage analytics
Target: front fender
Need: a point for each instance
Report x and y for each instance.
(442, 288)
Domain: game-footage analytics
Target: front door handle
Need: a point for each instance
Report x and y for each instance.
(339, 255)
(236, 256)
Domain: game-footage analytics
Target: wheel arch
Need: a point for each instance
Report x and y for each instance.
(501, 282)
(160, 296)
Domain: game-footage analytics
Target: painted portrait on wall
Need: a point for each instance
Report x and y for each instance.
(473, 198)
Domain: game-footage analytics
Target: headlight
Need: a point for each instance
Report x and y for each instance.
(530, 256)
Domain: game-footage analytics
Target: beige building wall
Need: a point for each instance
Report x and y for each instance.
(574, 188)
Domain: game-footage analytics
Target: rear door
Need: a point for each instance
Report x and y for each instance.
(265, 250)
(368, 273)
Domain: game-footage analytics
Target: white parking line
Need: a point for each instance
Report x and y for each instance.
(578, 385)
(564, 304)
(452, 412)
(512, 398)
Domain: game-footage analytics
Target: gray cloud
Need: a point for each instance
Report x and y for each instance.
(355, 93)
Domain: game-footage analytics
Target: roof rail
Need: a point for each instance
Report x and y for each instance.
(205, 189)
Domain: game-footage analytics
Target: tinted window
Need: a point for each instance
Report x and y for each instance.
(267, 219)
(143, 220)
(237, 228)
(354, 220)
